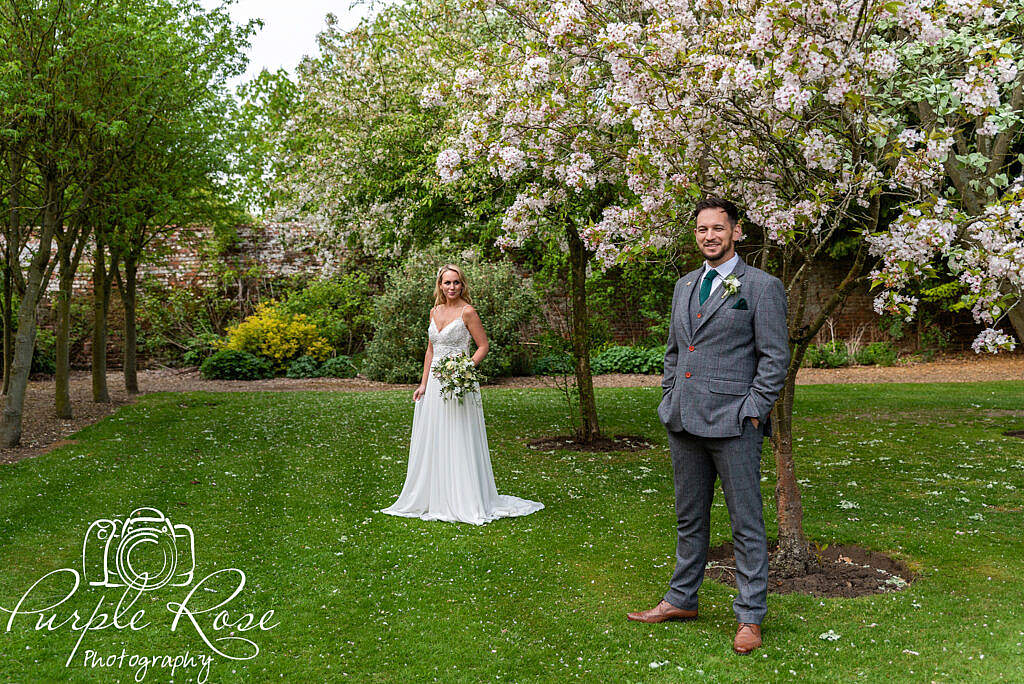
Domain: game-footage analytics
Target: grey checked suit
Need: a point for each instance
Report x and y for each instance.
(723, 365)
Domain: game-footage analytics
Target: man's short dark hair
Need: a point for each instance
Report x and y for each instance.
(718, 203)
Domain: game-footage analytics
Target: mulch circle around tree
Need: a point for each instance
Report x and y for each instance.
(569, 443)
(1014, 433)
(846, 571)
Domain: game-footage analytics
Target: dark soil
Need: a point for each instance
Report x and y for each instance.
(1014, 433)
(601, 444)
(846, 571)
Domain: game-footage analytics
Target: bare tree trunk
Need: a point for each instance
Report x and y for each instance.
(128, 297)
(100, 299)
(11, 245)
(1016, 316)
(24, 343)
(62, 306)
(578, 257)
(8, 320)
(793, 555)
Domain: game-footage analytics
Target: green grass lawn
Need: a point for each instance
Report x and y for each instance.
(285, 487)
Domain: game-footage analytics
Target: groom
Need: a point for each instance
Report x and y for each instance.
(725, 363)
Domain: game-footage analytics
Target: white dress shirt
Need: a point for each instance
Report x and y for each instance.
(723, 271)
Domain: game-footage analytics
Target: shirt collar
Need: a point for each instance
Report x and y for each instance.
(723, 269)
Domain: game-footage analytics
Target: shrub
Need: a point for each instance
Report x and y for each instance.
(341, 310)
(504, 300)
(200, 347)
(231, 364)
(272, 333)
(44, 356)
(832, 354)
(554, 364)
(176, 324)
(877, 354)
(629, 360)
(338, 367)
(304, 367)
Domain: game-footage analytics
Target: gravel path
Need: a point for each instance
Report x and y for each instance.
(41, 431)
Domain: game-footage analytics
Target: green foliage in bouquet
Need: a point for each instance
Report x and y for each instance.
(457, 375)
(503, 298)
(231, 364)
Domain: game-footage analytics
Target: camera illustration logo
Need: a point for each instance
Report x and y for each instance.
(144, 551)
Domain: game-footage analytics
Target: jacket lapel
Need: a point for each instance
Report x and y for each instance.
(717, 300)
(689, 284)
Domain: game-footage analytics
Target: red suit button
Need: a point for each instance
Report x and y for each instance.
(699, 315)
(687, 375)
(691, 347)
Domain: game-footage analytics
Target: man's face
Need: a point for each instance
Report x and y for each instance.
(716, 236)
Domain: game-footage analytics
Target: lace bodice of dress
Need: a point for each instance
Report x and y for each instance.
(453, 339)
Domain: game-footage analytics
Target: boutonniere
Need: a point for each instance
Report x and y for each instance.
(731, 285)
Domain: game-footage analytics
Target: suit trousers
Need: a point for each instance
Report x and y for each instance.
(696, 463)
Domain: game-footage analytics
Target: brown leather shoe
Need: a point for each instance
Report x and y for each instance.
(663, 612)
(748, 637)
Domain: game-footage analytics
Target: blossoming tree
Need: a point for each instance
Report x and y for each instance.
(350, 153)
(883, 130)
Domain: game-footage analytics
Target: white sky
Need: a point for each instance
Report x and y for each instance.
(289, 28)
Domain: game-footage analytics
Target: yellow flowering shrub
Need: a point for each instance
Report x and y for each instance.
(279, 336)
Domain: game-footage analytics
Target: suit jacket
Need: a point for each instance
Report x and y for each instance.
(733, 363)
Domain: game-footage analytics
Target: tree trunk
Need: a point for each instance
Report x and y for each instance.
(12, 243)
(131, 376)
(62, 307)
(100, 299)
(578, 258)
(1016, 316)
(8, 320)
(793, 555)
(24, 343)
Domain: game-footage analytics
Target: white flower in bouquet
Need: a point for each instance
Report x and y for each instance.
(458, 376)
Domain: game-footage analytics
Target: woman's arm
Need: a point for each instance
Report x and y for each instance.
(476, 329)
(428, 357)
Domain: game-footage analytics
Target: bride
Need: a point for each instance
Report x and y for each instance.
(449, 476)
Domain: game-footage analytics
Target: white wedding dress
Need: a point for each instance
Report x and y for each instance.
(449, 476)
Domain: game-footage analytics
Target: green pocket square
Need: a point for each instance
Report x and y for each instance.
(741, 304)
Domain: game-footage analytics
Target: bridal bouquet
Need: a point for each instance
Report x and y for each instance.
(458, 376)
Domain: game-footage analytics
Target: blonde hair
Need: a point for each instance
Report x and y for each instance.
(439, 296)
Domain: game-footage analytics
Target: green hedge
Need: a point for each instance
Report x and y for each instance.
(629, 360)
(877, 354)
(832, 354)
(230, 364)
(646, 361)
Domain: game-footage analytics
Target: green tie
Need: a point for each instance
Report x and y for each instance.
(705, 286)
